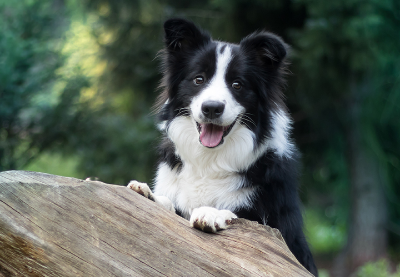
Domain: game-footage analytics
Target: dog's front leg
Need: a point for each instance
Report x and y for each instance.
(210, 219)
(143, 189)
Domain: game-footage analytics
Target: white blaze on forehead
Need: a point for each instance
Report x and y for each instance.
(218, 90)
(223, 61)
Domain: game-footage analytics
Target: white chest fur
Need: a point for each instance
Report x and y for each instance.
(208, 177)
(188, 190)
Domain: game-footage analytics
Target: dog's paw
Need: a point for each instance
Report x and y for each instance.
(210, 219)
(141, 188)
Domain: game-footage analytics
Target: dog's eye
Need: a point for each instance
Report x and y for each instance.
(236, 85)
(198, 80)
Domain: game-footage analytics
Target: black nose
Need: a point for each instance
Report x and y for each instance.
(212, 109)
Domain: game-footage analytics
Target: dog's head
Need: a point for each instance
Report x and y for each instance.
(221, 87)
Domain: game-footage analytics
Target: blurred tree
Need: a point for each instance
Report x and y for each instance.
(40, 110)
(55, 94)
(28, 61)
(122, 145)
(348, 69)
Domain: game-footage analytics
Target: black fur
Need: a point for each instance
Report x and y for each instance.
(259, 63)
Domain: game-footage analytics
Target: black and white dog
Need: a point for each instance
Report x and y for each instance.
(226, 150)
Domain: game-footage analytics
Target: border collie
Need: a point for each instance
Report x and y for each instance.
(226, 150)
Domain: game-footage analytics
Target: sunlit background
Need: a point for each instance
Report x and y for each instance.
(78, 79)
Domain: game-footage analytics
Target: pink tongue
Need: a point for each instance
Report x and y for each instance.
(211, 134)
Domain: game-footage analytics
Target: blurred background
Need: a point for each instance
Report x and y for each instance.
(78, 78)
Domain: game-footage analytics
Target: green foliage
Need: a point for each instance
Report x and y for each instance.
(118, 149)
(56, 163)
(53, 99)
(130, 35)
(345, 60)
(377, 269)
(27, 66)
(325, 235)
(118, 143)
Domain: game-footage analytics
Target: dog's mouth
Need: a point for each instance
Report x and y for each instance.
(212, 135)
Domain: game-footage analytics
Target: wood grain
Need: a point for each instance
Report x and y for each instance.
(59, 226)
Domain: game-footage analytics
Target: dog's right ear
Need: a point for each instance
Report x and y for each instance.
(181, 35)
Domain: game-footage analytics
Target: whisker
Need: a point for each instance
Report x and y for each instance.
(181, 111)
(243, 123)
(245, 118)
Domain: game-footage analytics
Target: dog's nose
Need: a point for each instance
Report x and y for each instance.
(212, 109)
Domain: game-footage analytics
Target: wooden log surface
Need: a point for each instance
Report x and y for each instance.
(59, 226)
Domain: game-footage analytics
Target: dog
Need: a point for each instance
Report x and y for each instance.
(226, 150)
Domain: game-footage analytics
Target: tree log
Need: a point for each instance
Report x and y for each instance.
(60, 226)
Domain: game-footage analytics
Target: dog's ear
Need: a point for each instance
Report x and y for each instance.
(181, 34)
(266, 47)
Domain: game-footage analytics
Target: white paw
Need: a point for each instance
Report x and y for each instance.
(210, 219)
(141, 188)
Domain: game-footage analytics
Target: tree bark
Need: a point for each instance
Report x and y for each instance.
(59, 226)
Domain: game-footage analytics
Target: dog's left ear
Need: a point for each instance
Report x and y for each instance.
(181, 35)
(266, 47)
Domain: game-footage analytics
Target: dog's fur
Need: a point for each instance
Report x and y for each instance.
(226, 150)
